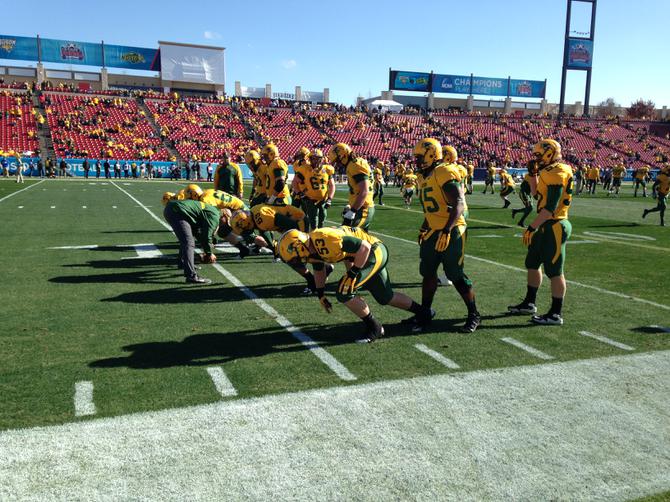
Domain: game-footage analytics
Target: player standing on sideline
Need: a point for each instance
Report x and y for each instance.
(253, 160)
(641, 176)
(360, 210)
(468, 180)
(379, 182)
(618, 174)
(506, 187)
(19, 168)
(662, 185)
(490, 177)
(408, 185)
(319, 189)
(526, 199)
(368, 257)
(275, 171)
(443, 232)
(551, 181)
(593, 177)
(228, 177)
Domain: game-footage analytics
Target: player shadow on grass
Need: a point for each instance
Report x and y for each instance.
(651, 330)
(614, 225)
(140, 277)
(130, 262)
(489, 227)
(135, 231)
(209, 349)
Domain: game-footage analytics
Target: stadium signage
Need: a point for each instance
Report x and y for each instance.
(580, 53)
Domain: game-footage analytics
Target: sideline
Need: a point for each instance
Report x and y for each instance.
(22, 190)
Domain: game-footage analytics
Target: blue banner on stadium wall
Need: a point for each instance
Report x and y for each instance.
(23, 48)
(68, 52)
(460, 84)
(527, 88)
(133, 58)
(409, 81)
(580, 53)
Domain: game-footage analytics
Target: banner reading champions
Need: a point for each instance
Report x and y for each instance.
(464, 84)
(580, 53)
(23, 48)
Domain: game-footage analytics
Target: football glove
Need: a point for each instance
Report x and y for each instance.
(422, 235)
(532, 167)
(527, 236)
(325, 304)
(442, 241)
(348, 282)
(327, 204)
(348, 217)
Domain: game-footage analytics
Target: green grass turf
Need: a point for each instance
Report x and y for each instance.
(144, 338)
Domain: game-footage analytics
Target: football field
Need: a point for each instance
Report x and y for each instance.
(118, 378)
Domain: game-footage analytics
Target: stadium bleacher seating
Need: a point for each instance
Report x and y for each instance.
(18, 128)
(98, 127)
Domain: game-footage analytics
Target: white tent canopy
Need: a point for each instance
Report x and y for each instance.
(386, 105)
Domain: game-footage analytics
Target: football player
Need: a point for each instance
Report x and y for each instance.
(526, 198)
(368, 258)
(361, 208)
(253, 160)
(662, 185)
(490, 177)
(551, 183)
(506, 187)
(276, 174)
(319, 189)
(443, 232)
(618, 174)
(228, 177)
(190, 218)
(471, 175)
(408, 184)
(301, 167)
(592, 177)
(641, 176)
(167, 197)
(379, 182)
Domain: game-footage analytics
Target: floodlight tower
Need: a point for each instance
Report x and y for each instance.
(578, 53)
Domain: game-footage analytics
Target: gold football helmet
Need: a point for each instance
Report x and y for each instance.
(252, 157)
(427, 153)
(181, 194)
(449, 154)
(340, 154)
(269, 153)
(293, 246)
(241, 221)
(167, 197)
(193, 192)
(546, 152)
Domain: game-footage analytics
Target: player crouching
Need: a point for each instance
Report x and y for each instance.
(367, 257)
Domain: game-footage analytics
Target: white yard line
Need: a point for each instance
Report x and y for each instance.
(531, 350)
(606, 340)
(445, 361)
(22, 190)
(562, 431)
(87, 246)
(338, 368)
(147, 251)
(221, 382)
(83, 399)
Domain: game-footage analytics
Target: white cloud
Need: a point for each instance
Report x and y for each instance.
(212, 35)
(289, 64)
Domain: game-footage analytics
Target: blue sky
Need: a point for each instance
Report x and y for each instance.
(349, 46)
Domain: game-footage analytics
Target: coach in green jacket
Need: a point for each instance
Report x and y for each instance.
(188, 219)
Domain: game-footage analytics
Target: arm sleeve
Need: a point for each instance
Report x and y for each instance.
(554, 193)
(207, 228)
(240, 181)
(351, 244)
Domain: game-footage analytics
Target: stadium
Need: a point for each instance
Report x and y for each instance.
(219, 287)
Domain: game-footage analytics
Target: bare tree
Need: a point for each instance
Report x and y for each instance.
(609, 108)
(642, 109)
